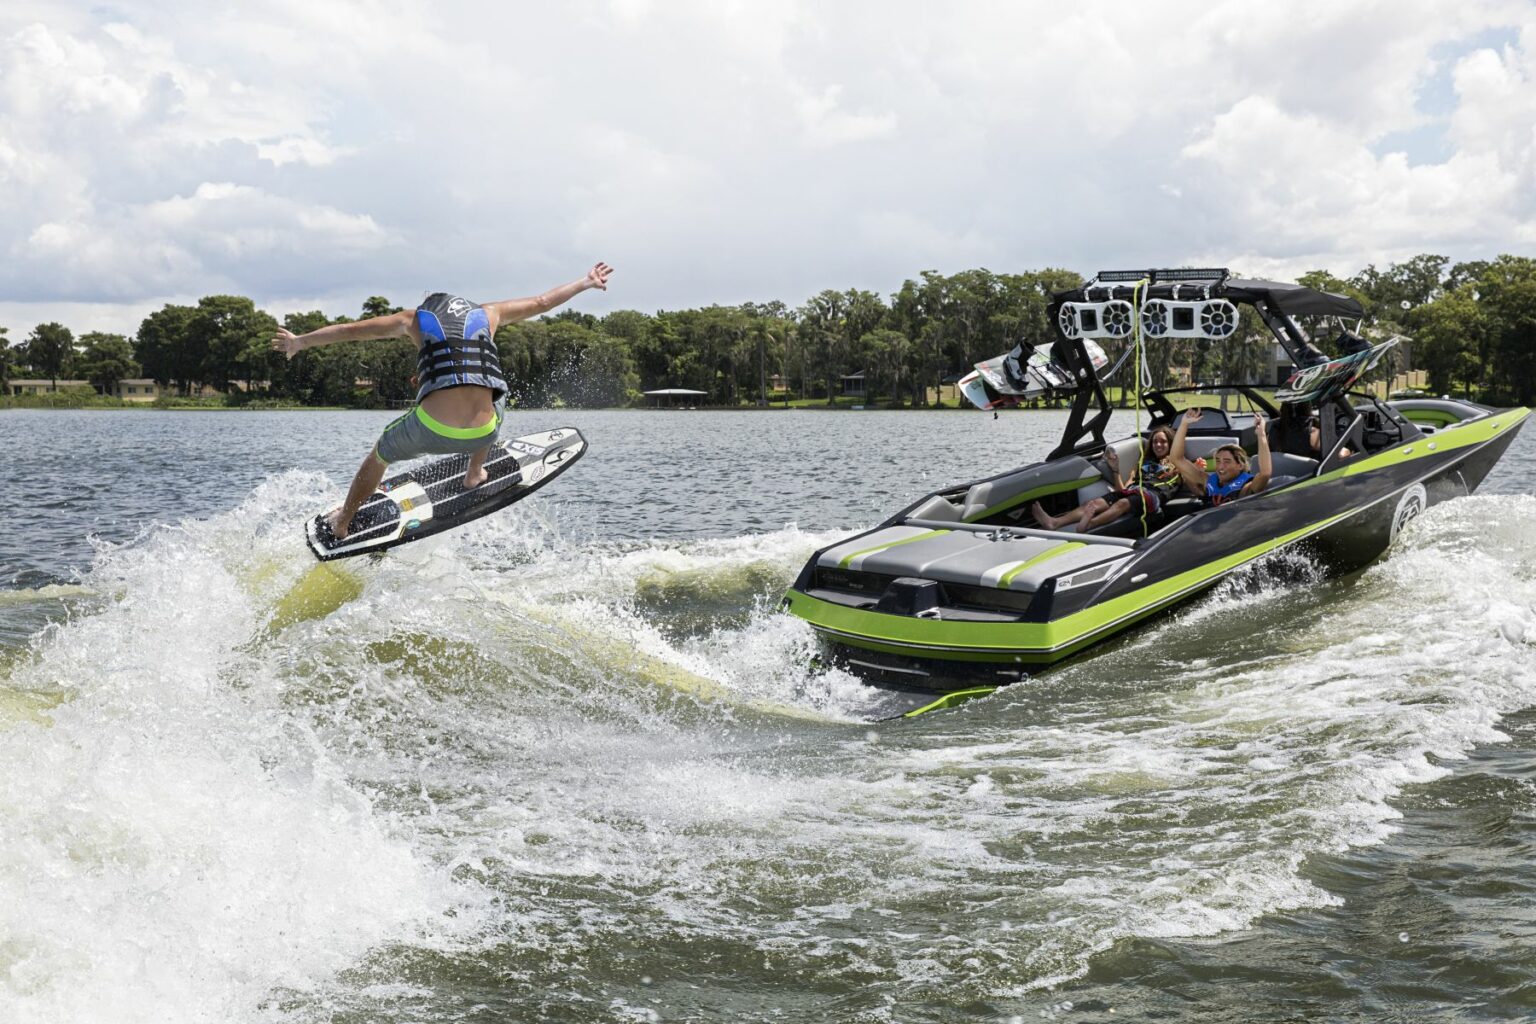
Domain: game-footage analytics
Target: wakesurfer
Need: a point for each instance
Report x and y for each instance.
(461, 383)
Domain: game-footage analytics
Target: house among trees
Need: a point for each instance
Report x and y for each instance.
(853, 385)
(45, 387)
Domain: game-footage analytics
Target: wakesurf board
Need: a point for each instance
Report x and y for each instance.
(1325, 380)
(431, 498)
(1005, 380)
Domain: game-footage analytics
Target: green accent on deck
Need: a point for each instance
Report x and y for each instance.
(1059, 549)
(846, 562)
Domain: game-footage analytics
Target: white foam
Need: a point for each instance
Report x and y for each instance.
(438, 762)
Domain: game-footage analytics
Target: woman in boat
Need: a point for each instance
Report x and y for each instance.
(1153, 482)
(1233, 477)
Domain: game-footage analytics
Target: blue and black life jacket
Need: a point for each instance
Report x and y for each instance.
(456, 346)
(1216, 492)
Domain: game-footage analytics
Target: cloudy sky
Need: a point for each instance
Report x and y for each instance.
(310, 153)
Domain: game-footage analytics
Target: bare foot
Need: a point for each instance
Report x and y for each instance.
(1044, 521)
(474, 478)
(338, 525)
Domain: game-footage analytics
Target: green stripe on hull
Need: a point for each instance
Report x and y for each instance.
(1029, 643)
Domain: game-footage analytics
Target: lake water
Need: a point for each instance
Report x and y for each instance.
(569, 764)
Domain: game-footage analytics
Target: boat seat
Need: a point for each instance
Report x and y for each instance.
(1127, 449)
(990, 497)
(1285, 464)
(1204, 447)
(936, 508)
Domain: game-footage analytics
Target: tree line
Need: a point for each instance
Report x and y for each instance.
(1472, 327)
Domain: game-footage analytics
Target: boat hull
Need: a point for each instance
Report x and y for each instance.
(1343, 519)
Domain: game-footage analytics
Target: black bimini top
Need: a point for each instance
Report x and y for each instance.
(1293, 299)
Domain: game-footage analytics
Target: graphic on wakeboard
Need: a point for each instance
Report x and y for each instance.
(431, 498)
(1002, 381)
(1325, 380)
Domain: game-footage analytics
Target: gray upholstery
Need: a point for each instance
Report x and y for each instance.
(1285, 464)
(973, 558)
(991, 493)
(936, 508)
(1204, 447)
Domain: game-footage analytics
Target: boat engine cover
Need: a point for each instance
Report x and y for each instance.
(908, 595)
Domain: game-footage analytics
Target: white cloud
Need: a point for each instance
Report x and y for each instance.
(742, 150)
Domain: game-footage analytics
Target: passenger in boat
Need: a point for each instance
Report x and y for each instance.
(1155, 481)
(1233, 477)
(1315, 440)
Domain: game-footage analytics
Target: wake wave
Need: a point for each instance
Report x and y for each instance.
(264, 788)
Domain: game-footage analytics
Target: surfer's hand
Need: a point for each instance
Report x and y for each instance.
(1193, 414)
(597, 277)
(286, 342)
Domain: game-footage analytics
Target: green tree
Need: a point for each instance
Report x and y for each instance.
(378, 305)
(821, 326)
(1446, 336)
(8, 358)
(1414, 281)
(107, 359)
(233, 336)
(885, 352)
(49, 348)
(164, 349)
(1506, 292)
(608, 377)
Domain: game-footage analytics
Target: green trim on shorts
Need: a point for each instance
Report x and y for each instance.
(457, 433)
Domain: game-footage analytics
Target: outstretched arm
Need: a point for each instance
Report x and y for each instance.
(1266, 464)
(1190, 473)
(511, 310)
(395, 325)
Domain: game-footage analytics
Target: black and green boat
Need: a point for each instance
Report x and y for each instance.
(960, 590)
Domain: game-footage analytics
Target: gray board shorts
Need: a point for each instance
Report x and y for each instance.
(416, 434)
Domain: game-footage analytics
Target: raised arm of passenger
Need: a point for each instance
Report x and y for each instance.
(1266, 464)
(1192, 475)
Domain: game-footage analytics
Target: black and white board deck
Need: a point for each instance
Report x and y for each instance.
(1002, 381)
(431, 498)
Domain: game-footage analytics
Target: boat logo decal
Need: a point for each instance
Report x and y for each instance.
(413, 524)
(406, 504)
(1414, 500)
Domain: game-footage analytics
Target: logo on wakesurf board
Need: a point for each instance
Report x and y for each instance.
(1414, 500)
